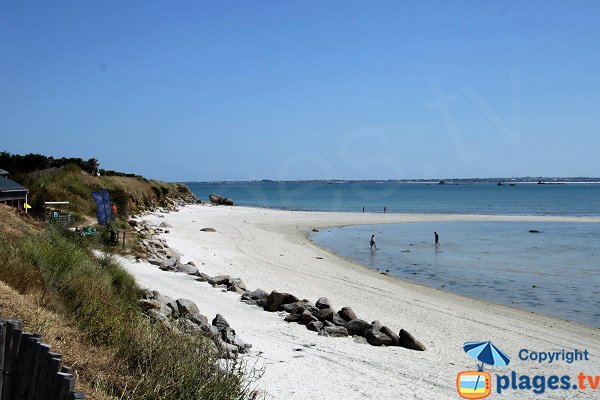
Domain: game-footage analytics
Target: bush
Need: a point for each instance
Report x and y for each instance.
(102, 299)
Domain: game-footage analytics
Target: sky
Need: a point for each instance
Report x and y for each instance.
(224, 90)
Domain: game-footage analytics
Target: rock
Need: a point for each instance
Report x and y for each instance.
(276, 299)
(376, 338)
(187, 269)
(172, 305)
(216, 199)
(187, 307)
(238, 283)
(534, 231)
(333, 331)
(306, 317)
(249, 302)
(376, 325)
(149, 304)
(314, 326)
(193, 264)
(165, 225)
(315, 230)
(169, 265)
(220, 322)
(202, 277)
(357, 327)
(229, 350)
(338, 320)
(325, 314)
(293, 318)
(322, 303)
(407, 340)
(257, 294)
(155, 261)
(387, 331)
(219, 280)
(298, 307)
(236, 289)
(347, 314)
(208, 230)
(132, 222)
(198, 319)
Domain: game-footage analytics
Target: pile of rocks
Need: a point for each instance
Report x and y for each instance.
(322, 318)
(184, 315)
(220, 200)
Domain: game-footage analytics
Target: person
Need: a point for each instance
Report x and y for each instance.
(114, 210)
(363, 208)
(437, 238)
(373, 242)
(384, 209)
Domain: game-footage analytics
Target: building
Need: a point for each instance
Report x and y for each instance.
(11, 193)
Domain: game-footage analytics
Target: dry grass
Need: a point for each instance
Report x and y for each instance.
(92, 365)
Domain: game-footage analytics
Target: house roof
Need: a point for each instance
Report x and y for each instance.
(6, 185)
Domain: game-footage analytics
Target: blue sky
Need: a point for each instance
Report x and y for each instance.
(303, 90)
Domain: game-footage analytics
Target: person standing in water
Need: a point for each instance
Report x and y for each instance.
(437, 238)
(373, 242)
(384, 210)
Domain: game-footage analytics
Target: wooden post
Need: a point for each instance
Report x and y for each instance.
(123, 240)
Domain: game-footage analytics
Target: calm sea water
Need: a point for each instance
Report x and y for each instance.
(571, 199)
(554, 272)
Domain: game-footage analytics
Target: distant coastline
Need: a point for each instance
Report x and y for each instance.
(519, 180)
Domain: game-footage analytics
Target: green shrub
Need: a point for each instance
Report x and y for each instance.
(102, 299)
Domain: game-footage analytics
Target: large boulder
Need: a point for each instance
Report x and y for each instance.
(238, 285)
(391, 334)
(347, 314)
(338, 320)
(187, 269)
(333, 331)
(357, 327)
(293, 318)
(298, 307)
(216, 199)
(377, 338)
(276, 299)
(187, 307)
(325, 314)
(202, 277)
(169, 264)
(322, 303)
(219, 280)
(407, 340)
(220, 322)
(314, 326)
(306, 317)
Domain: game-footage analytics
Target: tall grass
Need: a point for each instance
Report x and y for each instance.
(102, 299)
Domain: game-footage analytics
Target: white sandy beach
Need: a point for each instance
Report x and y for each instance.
(269, 249)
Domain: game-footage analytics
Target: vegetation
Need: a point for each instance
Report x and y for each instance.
(149, 361)
(16, 163)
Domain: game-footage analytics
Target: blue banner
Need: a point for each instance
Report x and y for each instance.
(100, 213)
(107, 205)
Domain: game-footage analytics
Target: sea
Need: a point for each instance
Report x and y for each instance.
(554, 270)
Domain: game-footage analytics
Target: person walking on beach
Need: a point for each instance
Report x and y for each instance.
(437, 238)
(373, 242)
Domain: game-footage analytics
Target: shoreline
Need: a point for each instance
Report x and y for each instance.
(270, 249)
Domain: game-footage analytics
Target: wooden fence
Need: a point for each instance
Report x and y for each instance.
(29, 370)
